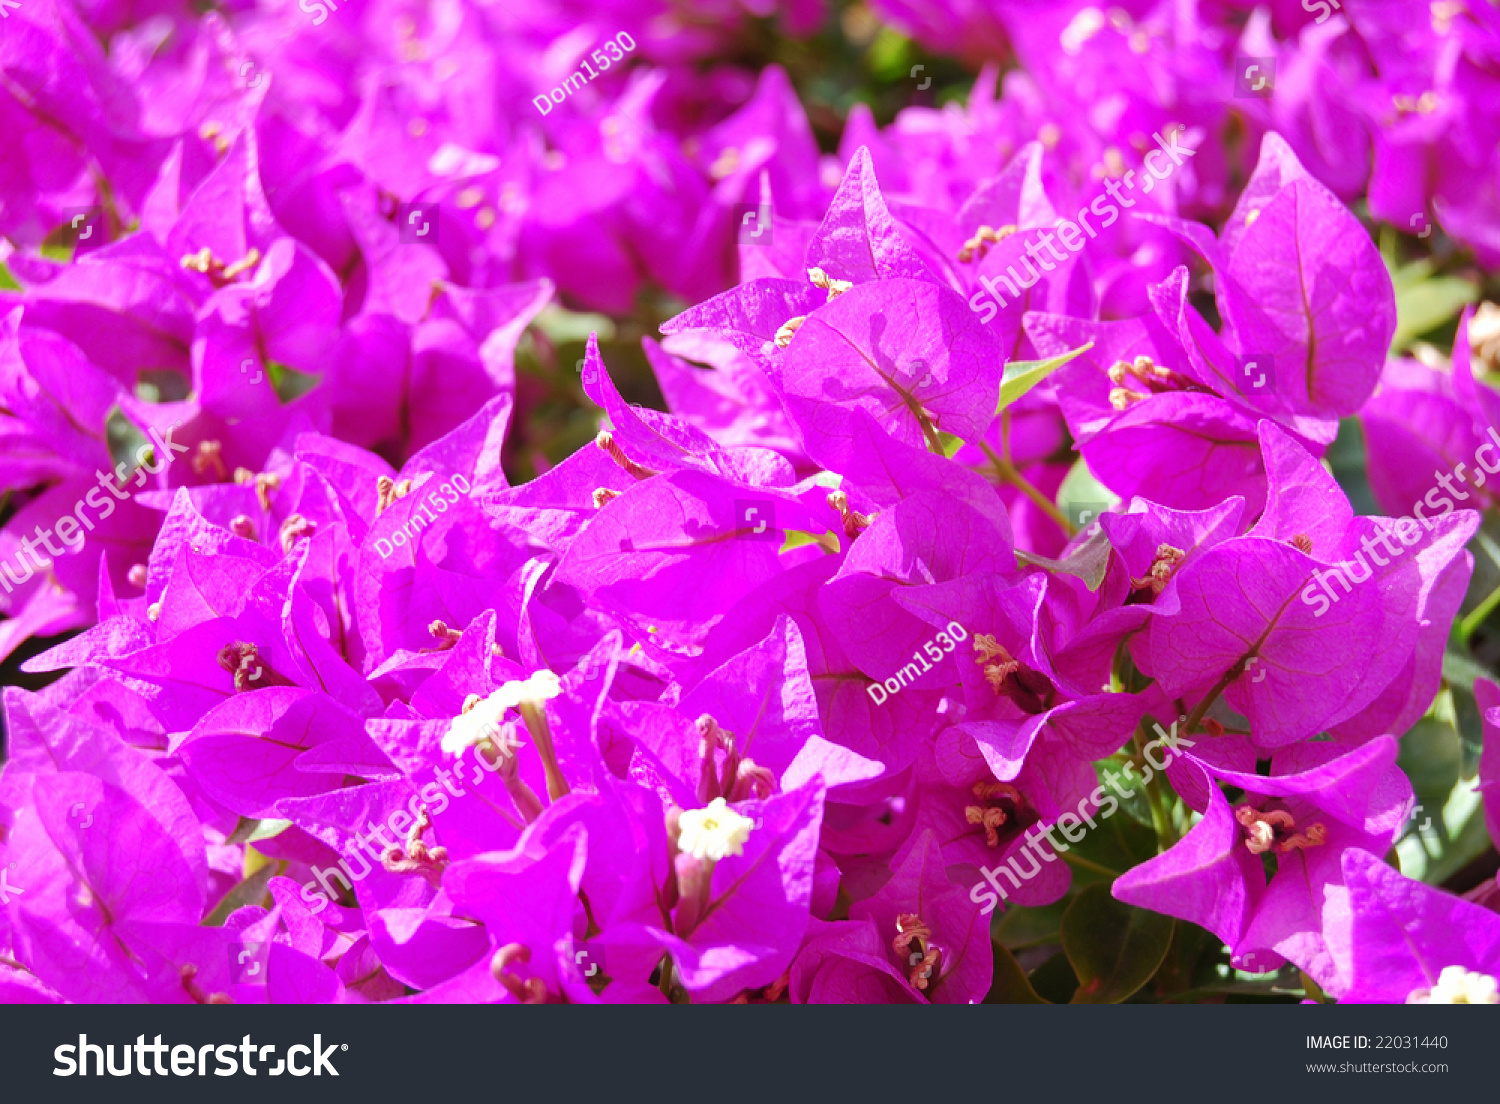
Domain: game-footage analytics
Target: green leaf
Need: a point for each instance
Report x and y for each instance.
(1119, 842)
(1431, 756)
(890, 55)
(1461, 671)
(1467, 719)
(1446, 831)
(248, 830)
(249, 892)
(7, 281)
(1019, 926)
(1113, 947)
(1455, 838)
(1089, 561)
(1131, 795)
(1082, 497)
(950, 444)
(1022, 375)
(1424, 304)
(1487, 542)
(797, 538)
(1009, 984)
(1406, 277)
(288, 381)
(1191, 960)
(562, 325)
(1054, 980)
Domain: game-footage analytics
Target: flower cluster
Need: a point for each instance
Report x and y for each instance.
(1394, 103)
(750, 699)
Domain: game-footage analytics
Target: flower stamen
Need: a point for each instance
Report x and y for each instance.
(294, 529)
(1000, 803)
(417, 857)
(855, 523)
(784, 333)
(821, 279)
(1165, 564)
(978, 245)
(606, 441)
(388, 492)
(913, 943)
(209, 457)
(265, 483)
(532, 990)
(1276, 831)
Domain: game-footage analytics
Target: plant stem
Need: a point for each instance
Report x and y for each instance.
(929, 431)
(1008, 473)
(1478, 614)
(1212, 696)
(1088, 864)
(664, 983)
(1160, 821)
(535, 717)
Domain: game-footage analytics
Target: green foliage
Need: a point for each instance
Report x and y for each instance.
(250, 891)
(123, 440)
(1018, 927)
(1010, 985)
(1424, 301)
(1022, 375)
(1054, 980)
(288, 381)
(248, 830)
(1114, 948)
(1080, 489)
(1119, 842)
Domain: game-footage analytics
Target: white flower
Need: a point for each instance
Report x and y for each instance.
(482, 722)
(714, 832)
(540, 687)
(1458, 986)
(477, 725)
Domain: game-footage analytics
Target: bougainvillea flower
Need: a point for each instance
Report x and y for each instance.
(1413, 944)
(931, 932)
(1281, 639)
(1314, 806)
